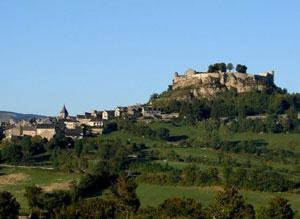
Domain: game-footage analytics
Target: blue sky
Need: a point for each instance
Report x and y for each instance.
(102, 53)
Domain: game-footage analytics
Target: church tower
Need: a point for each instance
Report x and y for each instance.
(63, 113)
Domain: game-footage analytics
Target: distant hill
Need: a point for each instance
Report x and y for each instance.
(6, 116)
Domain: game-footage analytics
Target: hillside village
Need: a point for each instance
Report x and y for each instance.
(199, 84)
(76, 127)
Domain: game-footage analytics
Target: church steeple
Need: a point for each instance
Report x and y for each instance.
(63, 113)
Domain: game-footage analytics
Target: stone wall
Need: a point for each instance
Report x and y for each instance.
(46, 133)
(207, 84)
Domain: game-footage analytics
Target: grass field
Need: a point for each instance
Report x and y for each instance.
(290, 141)
(14, 180)
(153, 195)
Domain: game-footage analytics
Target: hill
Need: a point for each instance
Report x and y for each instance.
(5, 116)
(207, 84)
(245, 134)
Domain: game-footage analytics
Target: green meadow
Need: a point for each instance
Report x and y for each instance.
(15, 180)
(152, 195)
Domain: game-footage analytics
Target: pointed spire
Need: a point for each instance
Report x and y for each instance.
(63, 113)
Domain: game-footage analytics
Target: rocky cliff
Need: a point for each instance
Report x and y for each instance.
(210, 84)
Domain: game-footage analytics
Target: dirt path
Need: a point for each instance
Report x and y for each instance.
(26, 167)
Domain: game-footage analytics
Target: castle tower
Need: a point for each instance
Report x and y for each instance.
(63, 113)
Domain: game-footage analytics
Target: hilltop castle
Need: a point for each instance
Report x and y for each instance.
(209, 84)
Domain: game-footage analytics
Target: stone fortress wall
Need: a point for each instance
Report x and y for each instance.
(205, 84)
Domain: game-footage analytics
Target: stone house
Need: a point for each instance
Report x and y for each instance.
(46, 130)
(76, 133)
(29, 131)
(169, 116)
(83, 119)
(134, 111)
(96, 130)
(96, 122)
(119, 111)
(13, 131)
(88, 115)
(149, 112)
(96, 114)
(71, 123)
(108, 114)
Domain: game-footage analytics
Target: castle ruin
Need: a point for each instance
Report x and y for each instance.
(209, 84)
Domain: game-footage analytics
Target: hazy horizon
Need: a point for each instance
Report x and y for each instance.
(102, 54)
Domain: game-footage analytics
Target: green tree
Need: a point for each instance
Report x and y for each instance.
(178, 207)
(13, 153)
(26, 147)
(87, 208)
(229, 67)
(33, 194)
(66, 161)
(55, 200)
(9, 207)
(78, 146)
(241, 68)
(163, 133)
(224, 132)
(217, 67)
(2, 135)
(125, 195)
(229, 204)
(278, 208)
(153, 97)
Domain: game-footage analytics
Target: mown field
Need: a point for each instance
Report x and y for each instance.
(15, 180)
(152, 195)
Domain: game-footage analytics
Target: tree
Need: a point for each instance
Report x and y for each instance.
(110, 127)
(229, 204)
(13, 153)
(229, 67)
(112, 158)
(217, 67)
(126, 198)
(163, 133)
(224, 132)
(241, 68)
(60, 141)
(153, 97)
(278, 208)
(67, 161)
(9, 207)
(87, 208)
(211, 69)
(32, 194)
(182, 207)
(91, 184)
(55, 200)
(1, 132)
(26, 146)
(78, 146)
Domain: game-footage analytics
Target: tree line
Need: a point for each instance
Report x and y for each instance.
(124, 203)
(223, 67)
(279, 109)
